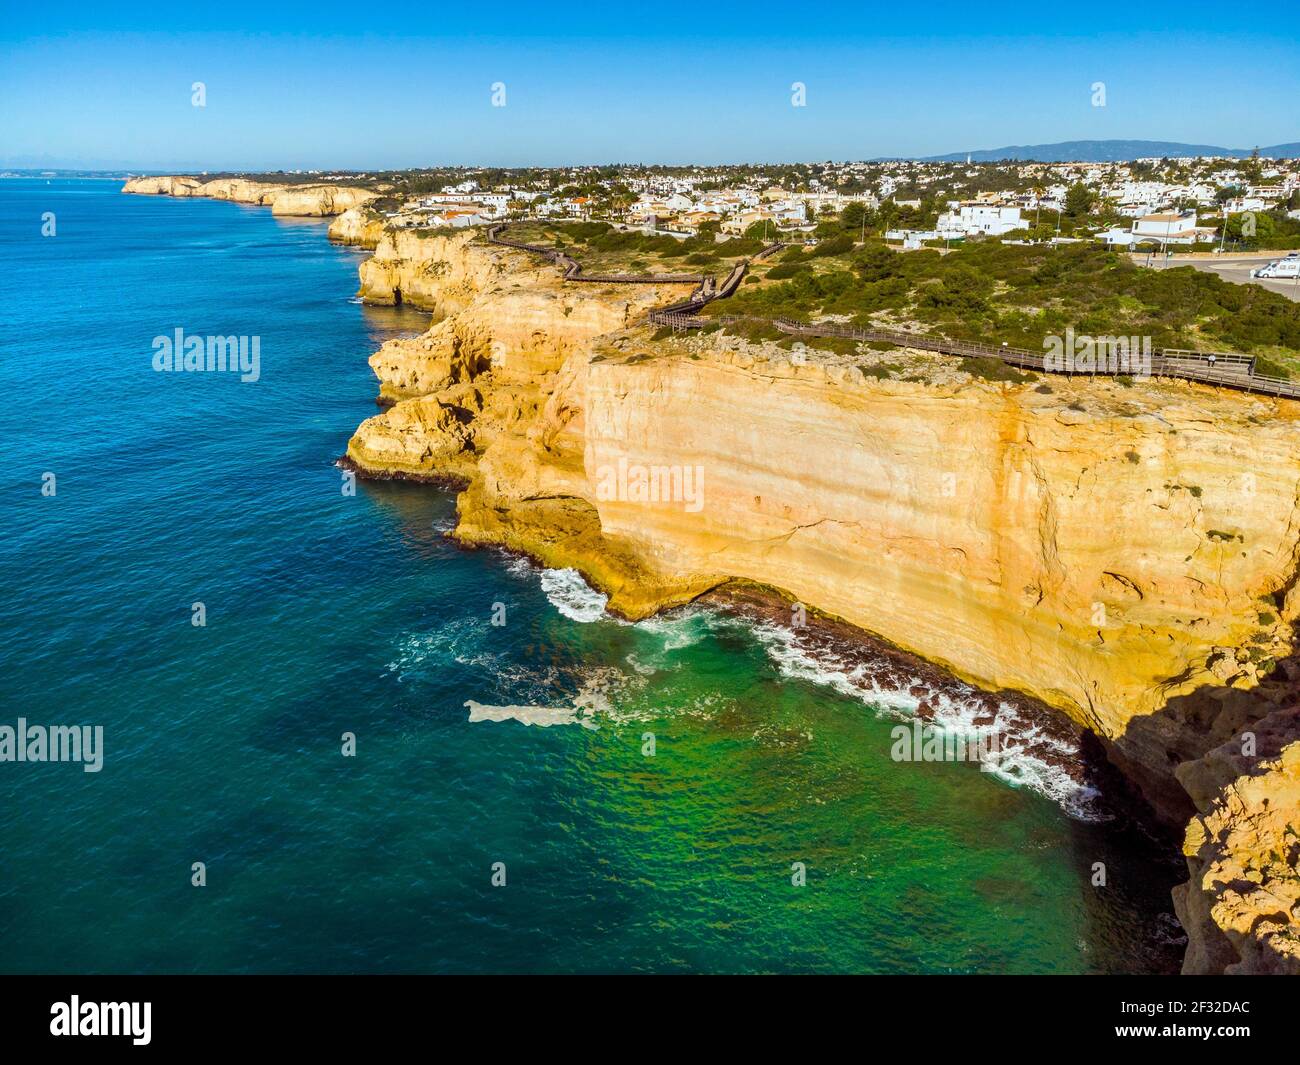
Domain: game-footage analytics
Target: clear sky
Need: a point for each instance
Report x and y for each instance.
(293, 85)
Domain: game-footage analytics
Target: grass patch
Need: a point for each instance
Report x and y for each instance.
(882, 371)
(988, 368)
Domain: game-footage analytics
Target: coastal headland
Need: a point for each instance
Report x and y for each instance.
(309, 200)
(1124, 552)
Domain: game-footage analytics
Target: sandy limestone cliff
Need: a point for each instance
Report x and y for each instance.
(1126, 554)
(361, 226)
(1241, 906)
(313, 201)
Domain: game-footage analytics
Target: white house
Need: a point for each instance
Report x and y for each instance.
(1167, 228)
(492, 204)
(913, 238)
(457, 218)
(1242, 204)
(971, 218)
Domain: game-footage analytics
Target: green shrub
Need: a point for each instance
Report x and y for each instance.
(993, 369)
(1269, 368)
(833, 246)
(784, 270)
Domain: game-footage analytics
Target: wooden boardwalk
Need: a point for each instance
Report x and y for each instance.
(1222, 368)
(1226, 369)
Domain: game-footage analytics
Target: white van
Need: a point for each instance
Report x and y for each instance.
(1280, 268)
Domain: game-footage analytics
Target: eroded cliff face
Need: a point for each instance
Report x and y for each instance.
(446, 272)
(1126, 554)
(505, 314)
(312, 201)
(1104, 548)
(1241, 907)
(166, 185)
(318, 201)
(360, 226)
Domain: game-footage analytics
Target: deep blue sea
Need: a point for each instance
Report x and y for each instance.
(329, 613)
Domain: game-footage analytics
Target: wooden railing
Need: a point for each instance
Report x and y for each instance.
(1228, 369)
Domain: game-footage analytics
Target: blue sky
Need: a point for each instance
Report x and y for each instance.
(333, 85)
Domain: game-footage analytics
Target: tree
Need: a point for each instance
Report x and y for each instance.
(1079, 200)
(876, 262)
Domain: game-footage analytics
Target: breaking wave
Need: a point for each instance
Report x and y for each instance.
(1037, 752)
(572, 596)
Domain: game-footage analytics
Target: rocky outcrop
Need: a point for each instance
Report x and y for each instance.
(318, 201)
(166, 185)
(359, 226)
(241, 190)
(312, 201)
(1241, 906)
(1127, 554)
(501, 312)
(444, 272)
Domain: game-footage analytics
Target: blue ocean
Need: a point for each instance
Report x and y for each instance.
(729, 803)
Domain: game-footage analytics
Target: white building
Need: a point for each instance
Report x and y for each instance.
(491, 204)
(913, 238)
(1167, 228)
(457, 218)
(1170, 226)
(1242, 204)
(971, 218)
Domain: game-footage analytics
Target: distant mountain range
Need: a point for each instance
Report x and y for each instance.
(1109, 152)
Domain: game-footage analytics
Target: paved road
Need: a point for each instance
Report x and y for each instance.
(1238, 272)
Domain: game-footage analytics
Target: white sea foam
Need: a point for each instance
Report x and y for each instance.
(520, 566)
(1028, 756)
(643, 668)
(572, 596)
(1022, 761)
(590, 703)
(460, 641)
(679, 629)
(542, 716)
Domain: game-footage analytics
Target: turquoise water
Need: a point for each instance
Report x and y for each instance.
(329, 613)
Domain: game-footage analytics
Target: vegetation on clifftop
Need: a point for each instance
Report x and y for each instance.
(1022, 294)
